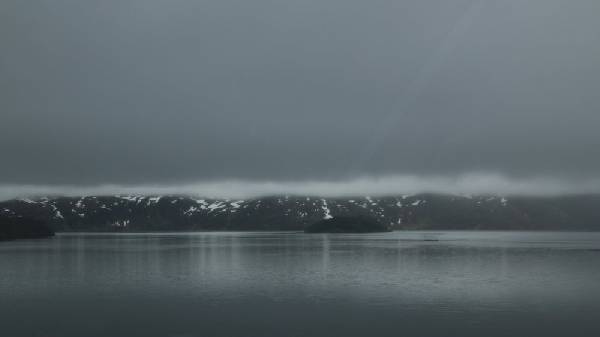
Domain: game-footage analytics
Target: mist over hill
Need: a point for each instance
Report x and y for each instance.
(423, 211)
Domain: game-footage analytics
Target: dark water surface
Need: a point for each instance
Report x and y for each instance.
(294, 284)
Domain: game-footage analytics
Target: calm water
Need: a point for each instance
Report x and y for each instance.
(294, 284)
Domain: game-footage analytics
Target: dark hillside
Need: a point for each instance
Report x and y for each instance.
(12, 228)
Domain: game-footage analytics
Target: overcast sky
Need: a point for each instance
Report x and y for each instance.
(171, 93)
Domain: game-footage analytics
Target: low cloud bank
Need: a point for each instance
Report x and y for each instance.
(468, 184)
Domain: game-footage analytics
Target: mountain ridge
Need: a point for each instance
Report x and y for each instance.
(129, 213)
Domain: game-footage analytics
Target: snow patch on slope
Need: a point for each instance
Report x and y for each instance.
(57, 213)
(418, 202)
(326, 210)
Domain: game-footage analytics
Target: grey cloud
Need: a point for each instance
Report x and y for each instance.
(172, 92)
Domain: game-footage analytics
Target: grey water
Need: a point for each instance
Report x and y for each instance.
(296, 284)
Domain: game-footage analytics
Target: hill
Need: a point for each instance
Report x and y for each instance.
(424, 211)
(347, 224)
(12, 228)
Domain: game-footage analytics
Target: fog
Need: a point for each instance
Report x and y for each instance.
(465, 185)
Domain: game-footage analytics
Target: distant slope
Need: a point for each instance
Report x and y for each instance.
(12, 228)
(347, 224)
(426, 211)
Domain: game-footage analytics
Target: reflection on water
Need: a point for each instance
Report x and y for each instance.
(295, 284)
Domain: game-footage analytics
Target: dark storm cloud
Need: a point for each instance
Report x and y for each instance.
(169, 92)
